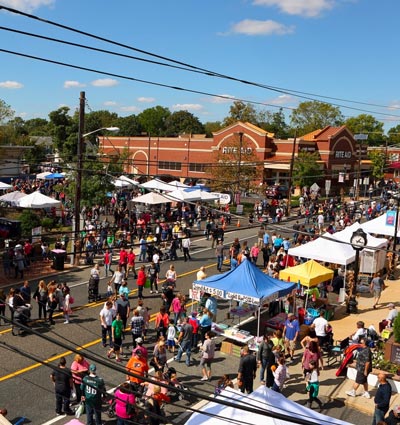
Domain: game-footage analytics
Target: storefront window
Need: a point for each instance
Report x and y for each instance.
(167, 165)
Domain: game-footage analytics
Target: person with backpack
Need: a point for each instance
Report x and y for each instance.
(93, 389)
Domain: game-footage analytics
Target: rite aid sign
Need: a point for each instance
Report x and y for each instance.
(343, 154)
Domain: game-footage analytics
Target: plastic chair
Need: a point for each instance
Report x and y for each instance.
(335, 352)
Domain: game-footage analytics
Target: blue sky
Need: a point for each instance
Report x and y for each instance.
(344, 49)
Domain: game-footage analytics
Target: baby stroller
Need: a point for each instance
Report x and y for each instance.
(170, 377)
(93, 290)
(22, 316)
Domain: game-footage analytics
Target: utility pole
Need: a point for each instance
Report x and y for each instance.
(78, 191)
(239, 167)
(289, 205)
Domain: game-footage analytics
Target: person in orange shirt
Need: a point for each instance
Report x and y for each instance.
(138, 366)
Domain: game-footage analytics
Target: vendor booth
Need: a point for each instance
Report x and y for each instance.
(267, 408)
(382, 225)
(245, 284)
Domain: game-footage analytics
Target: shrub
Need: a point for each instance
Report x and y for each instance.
(29, 220)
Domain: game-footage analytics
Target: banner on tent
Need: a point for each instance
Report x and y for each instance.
(242, 298)
(390, 218)
(208, 289)
(194, 294)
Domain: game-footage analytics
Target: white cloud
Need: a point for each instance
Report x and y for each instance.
(22, 114)
(146, 99)
(255, 27)
(283, 99)
(104, 82)
(395, 104)
(69, 84)
(10, 85)
(227, 98)
(187, 107)
(129, 109)
(27, 5)
(308, 8)
(110, 103)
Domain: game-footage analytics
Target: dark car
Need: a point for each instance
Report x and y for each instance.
(277, 191)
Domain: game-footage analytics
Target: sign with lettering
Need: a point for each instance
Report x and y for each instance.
(235, 149)
(395, 354)
(213, 291)
(342, 154)
(390, 218)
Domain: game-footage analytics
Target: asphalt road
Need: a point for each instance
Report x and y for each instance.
(26, 389)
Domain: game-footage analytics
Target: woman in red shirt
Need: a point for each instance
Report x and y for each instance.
(141, 280)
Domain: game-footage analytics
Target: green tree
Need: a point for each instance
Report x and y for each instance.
(36, 127)
(153, 120)
(236, 169)
(211, 127)
(129, 126)
(240, 111)
(305, 168)
(394, 135)
(6, 113)
(367, 124)
(63, 128)
(313, 115)
(274, 122)
(182, 122)
(378, 160)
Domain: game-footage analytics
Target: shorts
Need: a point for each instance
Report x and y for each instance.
(170, 343)
(290, 344)
(206, 362)
(117, 344)
(361, 378)
(377, 293)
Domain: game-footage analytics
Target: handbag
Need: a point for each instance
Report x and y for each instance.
(80, 410)
(147, 284)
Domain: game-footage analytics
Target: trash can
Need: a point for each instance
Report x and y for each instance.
(58, 258)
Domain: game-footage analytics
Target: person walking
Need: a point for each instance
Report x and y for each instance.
(247, 370)
(321, 328)
(67, 305)
(280, 374)
(93, 388)
(107, 315)
(107, 260)
(363, 367)
(137, 326)
(185, 248)
(41, 295)
(382, 399)
(254, 251)
(376, 287)
(131, 263)
(265, 357)
(117, 279)
(219, 253)
(141, 280)
(291, 332)
(124, 404)
(138, 367)
(185, 341)
(62, 379)
(117, 329)
(153, 276)
(312, 380)
(123, 308)
(161, 322)
(207, 356)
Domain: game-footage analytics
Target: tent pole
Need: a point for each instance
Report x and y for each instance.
(259, 320)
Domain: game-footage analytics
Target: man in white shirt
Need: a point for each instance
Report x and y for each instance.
(321, 326)
(185, 248)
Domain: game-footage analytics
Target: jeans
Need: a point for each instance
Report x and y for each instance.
(104, 332)
(264, 366)
(185, 346)
(93, 411)
(378, 416)
(121, 421)
(220, 259)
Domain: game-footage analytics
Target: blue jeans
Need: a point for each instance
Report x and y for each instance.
(220, 259)
(378, 416)
(93, 411)
(185, 346)
(264, 365)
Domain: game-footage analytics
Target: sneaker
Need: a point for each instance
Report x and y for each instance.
(151, 292)
(66, 322)
(204, 378)
(366, 394)
(351, 393)
(156, 292)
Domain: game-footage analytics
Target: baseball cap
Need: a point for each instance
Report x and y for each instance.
(139, 340)
(92, 367)
(396, 409)
(390, 305)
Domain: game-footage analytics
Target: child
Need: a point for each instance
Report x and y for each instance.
(280, 375)
(110, 290)
(222, 383)
(171, 335)
(313, 385)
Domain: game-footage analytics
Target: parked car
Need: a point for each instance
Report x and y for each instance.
(277, 191)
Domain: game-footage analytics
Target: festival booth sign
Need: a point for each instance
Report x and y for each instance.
(247, 284)
(382, 225)
(267, 407)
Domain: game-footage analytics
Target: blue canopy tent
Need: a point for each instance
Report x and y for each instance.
(246, 283)
(53, 176)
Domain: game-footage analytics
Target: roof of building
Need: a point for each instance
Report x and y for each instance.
(323, 134)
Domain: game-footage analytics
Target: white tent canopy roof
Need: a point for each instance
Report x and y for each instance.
(379, 226)
(5, 186)
(151, 198)
(12, 197)
(262, 399)
(37, 200)
(42, 176)
(180, 195)
(160, 185)
(127, 179)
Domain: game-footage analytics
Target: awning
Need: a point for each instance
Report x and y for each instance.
(285, 167)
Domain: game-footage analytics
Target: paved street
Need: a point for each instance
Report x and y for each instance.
(24, 376)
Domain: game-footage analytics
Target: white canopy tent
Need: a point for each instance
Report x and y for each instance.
(119, 183)
(4, 186)
(42, 176)
(12, 197)
(262, 400)
(37, 200)
(180, 195)
(151, 198)
(156, 184)
(382, 225)
(127, 179)
(205, 196)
